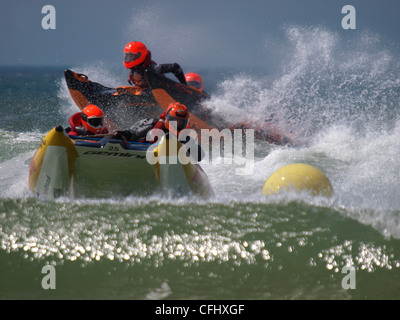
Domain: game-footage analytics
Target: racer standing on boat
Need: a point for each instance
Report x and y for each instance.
(87, 123)
(138, 60)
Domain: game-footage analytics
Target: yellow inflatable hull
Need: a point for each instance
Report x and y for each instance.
(65, 166)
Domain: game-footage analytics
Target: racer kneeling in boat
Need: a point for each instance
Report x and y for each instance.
(89, 122)
(171, 123)
(138, 59)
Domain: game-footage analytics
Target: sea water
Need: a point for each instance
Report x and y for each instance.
(342, 104)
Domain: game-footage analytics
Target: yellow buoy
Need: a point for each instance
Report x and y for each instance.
(298, 177)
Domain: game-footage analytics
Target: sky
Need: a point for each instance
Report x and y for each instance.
(203, 33)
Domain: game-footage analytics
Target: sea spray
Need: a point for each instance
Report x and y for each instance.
(239, 244)
(324, 81)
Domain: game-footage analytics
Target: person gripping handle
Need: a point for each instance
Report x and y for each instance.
(137, 58)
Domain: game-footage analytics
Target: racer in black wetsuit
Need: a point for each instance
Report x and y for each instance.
(138, 59)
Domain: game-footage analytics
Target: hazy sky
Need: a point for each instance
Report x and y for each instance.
(204, 33)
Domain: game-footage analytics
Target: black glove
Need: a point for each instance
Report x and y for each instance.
(81, 130)
(127, 134)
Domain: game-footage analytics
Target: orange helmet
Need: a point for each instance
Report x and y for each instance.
(136, 53)
(92, 119)
(176, 118)
(194, 80)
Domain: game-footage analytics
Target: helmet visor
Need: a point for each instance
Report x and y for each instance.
(177, 123)
(195, 84)
(96, 122)
(93, 121)
(129, 56)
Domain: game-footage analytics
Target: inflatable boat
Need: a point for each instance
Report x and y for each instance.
(92, 167)
(135, 103)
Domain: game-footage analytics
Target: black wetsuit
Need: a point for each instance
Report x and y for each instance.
(136, 75)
